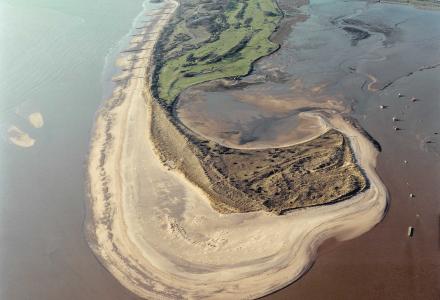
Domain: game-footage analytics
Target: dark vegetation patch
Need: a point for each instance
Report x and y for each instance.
(321, 171)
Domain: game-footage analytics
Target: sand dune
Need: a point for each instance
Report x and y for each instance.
(158, 235)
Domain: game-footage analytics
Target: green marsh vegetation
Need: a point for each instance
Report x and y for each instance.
(209, 40)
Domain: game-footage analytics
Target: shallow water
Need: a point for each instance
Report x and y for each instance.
(57, 58)
(219, 116)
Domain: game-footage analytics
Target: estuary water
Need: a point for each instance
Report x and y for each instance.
(389, 80)
(56, 59)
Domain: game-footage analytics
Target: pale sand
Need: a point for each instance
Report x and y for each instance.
(36, 119)
(371, 85)
(158, 235)
(19, 137)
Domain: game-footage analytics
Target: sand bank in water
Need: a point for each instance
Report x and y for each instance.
(158, 235)
(36, 119)
(19, 137)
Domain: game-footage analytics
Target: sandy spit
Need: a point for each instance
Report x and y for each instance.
(157, 233)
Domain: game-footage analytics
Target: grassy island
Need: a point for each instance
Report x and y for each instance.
(208, 40)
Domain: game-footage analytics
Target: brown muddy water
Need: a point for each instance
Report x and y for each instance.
(352, 56)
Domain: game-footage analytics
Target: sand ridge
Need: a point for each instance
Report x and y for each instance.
(159, 236)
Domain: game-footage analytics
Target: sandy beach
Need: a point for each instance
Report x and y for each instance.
(157, 233)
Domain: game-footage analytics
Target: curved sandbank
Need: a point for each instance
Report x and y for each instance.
(158, 234)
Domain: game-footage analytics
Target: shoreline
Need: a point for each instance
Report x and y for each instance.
(117, 229)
